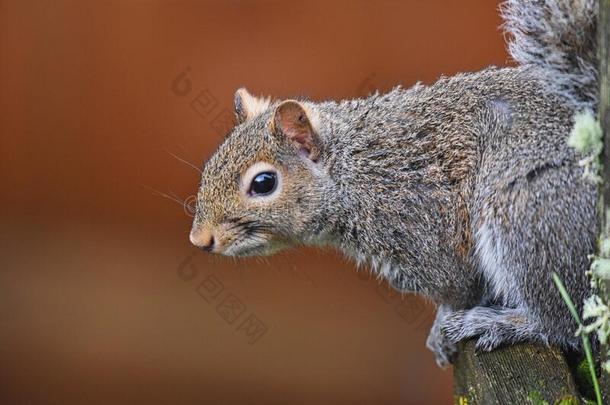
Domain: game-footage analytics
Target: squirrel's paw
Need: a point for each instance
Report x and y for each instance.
(491, 326)
(444, 350)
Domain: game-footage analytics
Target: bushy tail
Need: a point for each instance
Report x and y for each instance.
(560, 36)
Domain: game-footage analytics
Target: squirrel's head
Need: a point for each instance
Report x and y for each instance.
(259, 190)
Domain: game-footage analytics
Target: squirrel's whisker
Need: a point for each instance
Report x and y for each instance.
(186, 162)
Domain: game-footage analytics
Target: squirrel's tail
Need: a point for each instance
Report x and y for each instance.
(560, 36)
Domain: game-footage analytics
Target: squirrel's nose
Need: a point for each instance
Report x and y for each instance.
(203, 238)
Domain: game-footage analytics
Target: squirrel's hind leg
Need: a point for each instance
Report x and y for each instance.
(492, 327)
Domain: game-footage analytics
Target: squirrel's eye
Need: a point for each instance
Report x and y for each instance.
(263, 183)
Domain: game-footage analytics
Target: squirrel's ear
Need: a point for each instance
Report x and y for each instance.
(247, 106)
(292, 121)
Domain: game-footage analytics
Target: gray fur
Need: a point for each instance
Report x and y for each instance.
(440, 341)
(464, 191)
(559, 36)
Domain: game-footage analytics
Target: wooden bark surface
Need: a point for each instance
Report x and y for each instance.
(520, 374)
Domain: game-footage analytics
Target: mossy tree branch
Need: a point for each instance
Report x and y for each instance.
(603, 29)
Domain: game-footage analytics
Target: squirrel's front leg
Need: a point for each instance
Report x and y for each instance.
(492, 327)
(443, 348)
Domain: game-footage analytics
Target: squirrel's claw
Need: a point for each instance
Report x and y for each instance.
(444, 350)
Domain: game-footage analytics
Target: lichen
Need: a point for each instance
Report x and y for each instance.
(600, 268)
(604, 247)
(586, 138)
(596, 310)
(586, 135)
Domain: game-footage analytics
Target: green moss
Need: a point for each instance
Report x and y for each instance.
(536, 398)
(583, 377)
(568, 400)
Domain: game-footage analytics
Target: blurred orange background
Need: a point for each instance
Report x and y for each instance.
(103, 300)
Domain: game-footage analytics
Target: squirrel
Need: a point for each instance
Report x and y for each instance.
(464, 191)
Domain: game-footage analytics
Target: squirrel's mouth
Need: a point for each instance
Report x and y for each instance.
(238, 237)
(259, 248)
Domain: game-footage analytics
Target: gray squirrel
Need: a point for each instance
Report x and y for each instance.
(464, 191)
